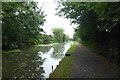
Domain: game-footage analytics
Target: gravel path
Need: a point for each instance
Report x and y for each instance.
(89, 65)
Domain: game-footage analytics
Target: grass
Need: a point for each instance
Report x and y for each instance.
(63, 70)
(12, 51)
(72, 49)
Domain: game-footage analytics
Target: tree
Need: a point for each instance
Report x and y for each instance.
(65, 37)
(58, 34)
(46, 39)
(21, 23)
(97, 25)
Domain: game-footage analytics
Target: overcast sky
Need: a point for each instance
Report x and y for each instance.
(53, 20)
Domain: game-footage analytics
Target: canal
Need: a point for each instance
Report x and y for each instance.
(33, 62)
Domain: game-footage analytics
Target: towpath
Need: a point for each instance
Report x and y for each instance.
(90, 65)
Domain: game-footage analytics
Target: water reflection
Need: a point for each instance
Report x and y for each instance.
(33, 62)
(42, 48)
(53, 57)
(58, 51)
(22, 65)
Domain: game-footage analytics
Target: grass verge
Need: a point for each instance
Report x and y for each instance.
(63, 70)
(12, 51)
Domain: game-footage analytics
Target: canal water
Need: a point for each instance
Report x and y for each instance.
(33, 62)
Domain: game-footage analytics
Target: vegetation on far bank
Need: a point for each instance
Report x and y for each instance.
(63, 70)
(22, 26)
(12, 51)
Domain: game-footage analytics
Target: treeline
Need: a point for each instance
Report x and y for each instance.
(57, 37)
(98, 26)
(22, 24)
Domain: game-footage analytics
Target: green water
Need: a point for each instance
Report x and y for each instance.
(33, 62)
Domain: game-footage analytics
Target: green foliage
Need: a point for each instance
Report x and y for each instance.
(58, 35)
(72, 49)
(46, 39)
(21, 22)
(65, 37)
(98, 25)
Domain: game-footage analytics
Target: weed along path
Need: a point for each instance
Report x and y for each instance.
(89, 65)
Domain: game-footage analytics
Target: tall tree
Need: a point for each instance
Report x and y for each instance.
(21, 22)
(58, 34)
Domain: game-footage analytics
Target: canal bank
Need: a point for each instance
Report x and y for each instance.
(64, 68)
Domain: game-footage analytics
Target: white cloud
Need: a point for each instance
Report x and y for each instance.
(53, 20)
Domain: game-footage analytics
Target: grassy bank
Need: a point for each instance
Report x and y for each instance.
(12, 51)
(63, 70)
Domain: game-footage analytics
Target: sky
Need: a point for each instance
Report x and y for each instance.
(53, 20)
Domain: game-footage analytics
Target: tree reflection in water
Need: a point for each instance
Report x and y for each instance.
(44, 49)
(58, 51)
(26, 64)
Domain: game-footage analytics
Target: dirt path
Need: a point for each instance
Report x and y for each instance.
(89, 65)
